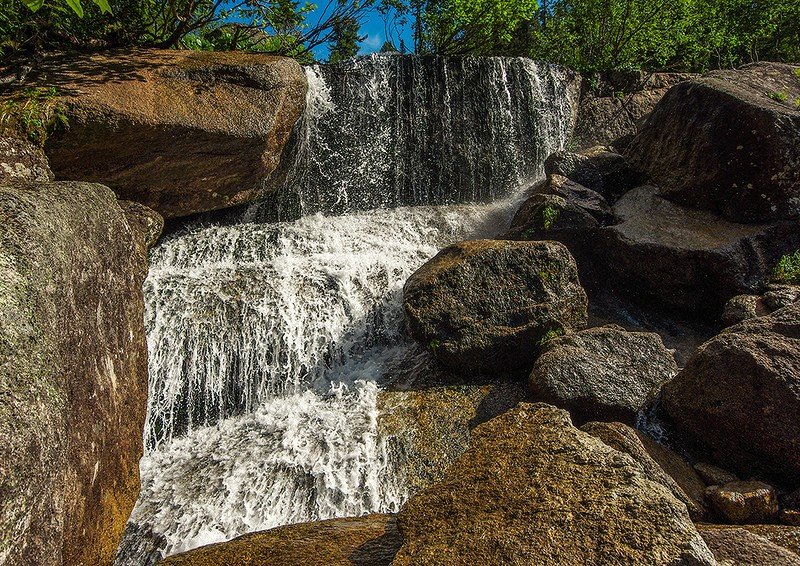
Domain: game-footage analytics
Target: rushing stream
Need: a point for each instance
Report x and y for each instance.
(269, 341)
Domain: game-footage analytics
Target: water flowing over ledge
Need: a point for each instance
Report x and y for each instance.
(268, 341)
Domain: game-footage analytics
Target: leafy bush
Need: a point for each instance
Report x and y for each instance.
(788, 269)
(33, 113)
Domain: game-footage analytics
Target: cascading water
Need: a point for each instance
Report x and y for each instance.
(269, 341)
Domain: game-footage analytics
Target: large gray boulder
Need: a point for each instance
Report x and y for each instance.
(73, 370)
(533, 489)
(178, 131)
(728, 142)
(739, 395)
(604, 373)
(488, 305)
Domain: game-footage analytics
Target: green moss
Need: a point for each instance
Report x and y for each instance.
(788, 269)
(434, 345)
(34, 113)
(797, 73)
(780, 96)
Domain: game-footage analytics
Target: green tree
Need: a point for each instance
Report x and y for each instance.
(345, 40)
(471, 27)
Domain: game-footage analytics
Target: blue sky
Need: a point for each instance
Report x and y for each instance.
(373, 30)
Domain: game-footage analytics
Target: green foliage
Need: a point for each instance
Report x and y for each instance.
(548, 216)
(550, 335)
(434, 345)
(604, 35)
(345, 39)
(75, 5)
(33, 113)
(779, 96)
(797, 73)
(788, 269)
(476, 27)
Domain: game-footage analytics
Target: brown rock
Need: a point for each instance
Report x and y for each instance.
(743, 502)
(721, 143)
(178, 131)
(738, 547)
(532, 489)
(73, 372)
(739, 395)
(713, 475)
(622, 105)
(487, 305)
(430, 427)
(782, 535)
(743, 307)
(361, 541)
(678, 477)
(22, 161)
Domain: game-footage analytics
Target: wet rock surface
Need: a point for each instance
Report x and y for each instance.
(361, 541)
(744, 502)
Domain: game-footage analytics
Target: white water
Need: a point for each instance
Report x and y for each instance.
(268, 344)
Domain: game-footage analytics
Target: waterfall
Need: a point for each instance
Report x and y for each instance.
(269, 342)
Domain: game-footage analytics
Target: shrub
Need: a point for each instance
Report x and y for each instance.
(788, 269)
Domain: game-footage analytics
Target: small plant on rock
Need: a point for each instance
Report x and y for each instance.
(788, 269)
(33, 113)
(549, 215)
(550, 335)
(779, 96)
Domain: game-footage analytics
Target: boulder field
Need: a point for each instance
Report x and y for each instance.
(687, 214)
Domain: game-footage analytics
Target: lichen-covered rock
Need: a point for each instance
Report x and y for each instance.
(22, 161)
(685, 259)
(734, 546)
(721, 142)
(532, 489)
(73, 372)
(430, 427)
(603, 373)
(739, 395)
(178, 131)
(782, 535)
(658, 463)
(744, 502)
(741, 308)
(372, 540)
(488, 305)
